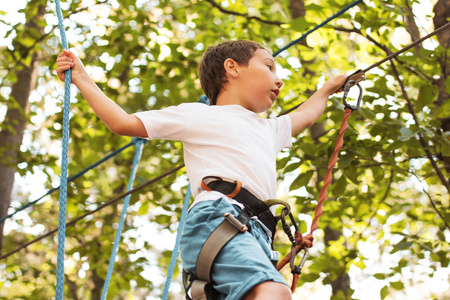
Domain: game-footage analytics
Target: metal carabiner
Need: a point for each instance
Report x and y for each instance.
(352, 80)
(358, 102)
(298, 269)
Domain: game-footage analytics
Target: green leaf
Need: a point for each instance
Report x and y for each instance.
(380, 276)
(143, 209)
(398, 285)
(406, 134)
(444, 110)
(300, 24)
(384, 292)
(345, 161)
(447, 85)
(360, 264)
(310, 277)
(339, 187)
(309, 148)
(291, 167)
(302, 226)
(425, 97)
(301, 180)
(404, 245)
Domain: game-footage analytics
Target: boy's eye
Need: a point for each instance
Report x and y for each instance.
(270, 67)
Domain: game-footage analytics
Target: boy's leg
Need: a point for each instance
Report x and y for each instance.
(243, 264)
(269, 290)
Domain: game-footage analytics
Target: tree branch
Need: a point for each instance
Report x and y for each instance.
(416, 121)
(411, 26)
(72, 287)
(387, 51)
(234, 13)
(432, 203)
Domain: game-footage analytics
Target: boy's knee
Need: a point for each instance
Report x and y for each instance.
(269, 290)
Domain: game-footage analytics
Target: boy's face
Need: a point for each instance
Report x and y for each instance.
(260, 83)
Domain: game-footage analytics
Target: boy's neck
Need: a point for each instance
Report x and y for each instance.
(230, 96)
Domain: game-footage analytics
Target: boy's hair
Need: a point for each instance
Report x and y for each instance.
(211, 70)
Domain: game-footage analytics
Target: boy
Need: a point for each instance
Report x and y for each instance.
(224, 143)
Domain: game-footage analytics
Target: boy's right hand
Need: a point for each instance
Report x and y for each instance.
(67, 60)
(334, 84)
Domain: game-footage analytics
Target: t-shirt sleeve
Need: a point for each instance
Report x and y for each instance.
(283, 134)
(168, 123)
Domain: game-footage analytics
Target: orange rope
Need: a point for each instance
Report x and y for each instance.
(329, 176)
(307, 240)
(295, 280)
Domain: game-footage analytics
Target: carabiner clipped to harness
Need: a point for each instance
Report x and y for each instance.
(351, 81)
(286, 228)
(294, 269)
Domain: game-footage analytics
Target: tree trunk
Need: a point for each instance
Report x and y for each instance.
(441, 15)
(342, 281)
(297, 8)
(15, 121)
(98, 285)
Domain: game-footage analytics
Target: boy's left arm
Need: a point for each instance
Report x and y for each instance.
(311, 110)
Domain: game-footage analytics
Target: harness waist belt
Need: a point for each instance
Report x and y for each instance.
(253, 205)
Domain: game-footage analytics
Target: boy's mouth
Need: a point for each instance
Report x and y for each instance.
(276, 92)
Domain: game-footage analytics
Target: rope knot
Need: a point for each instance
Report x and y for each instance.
(303, 241)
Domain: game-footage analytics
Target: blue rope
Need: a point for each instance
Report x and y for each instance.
(174, 256)
(137, 157)
(72, 178)
(64, 167)
(318, 26)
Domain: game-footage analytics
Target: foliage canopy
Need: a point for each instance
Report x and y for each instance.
(387, 217)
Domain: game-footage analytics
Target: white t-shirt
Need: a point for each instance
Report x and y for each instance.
(227, 141)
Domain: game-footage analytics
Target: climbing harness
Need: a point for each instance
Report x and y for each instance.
(252, 205)
(199, 285)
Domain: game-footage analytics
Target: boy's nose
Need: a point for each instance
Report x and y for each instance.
(279, 82)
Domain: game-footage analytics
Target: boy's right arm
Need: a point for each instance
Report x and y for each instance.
(117, 120)
(311, 110)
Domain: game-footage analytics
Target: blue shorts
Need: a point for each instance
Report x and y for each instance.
(244, 262)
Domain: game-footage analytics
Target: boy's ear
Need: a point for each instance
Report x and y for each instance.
(231, 67)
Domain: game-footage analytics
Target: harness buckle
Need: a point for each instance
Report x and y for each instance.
(352, 80)
(298, 269)
(235, 222)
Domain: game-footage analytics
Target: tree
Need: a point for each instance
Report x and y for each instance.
(390, 186)
(20, 68)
